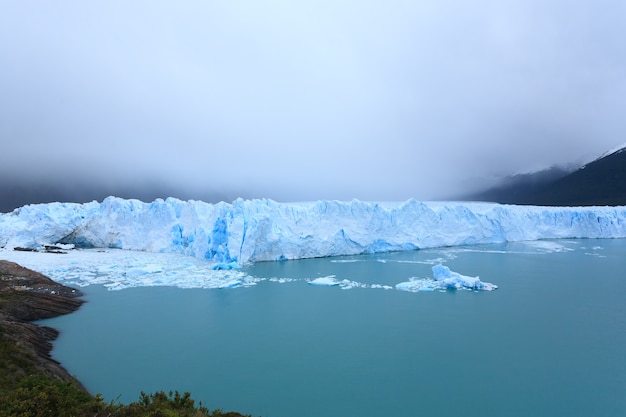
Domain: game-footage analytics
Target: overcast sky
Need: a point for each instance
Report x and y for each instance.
(306, 100)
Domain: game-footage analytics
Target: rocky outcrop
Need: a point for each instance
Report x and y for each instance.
(25, 296)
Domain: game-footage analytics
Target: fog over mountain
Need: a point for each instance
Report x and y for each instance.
(302, 100)
(600, 182)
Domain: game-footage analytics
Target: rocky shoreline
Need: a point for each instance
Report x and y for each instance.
(33, 383)
(26, 296)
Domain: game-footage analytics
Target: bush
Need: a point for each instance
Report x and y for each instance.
(41, 395)
(44, 396)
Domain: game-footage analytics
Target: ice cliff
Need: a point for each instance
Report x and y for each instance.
(263, 230)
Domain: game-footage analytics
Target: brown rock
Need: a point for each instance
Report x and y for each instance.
(26, 295)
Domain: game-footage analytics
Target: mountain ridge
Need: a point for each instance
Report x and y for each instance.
(601, 182)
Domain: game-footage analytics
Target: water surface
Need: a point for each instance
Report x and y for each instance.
(550, 341)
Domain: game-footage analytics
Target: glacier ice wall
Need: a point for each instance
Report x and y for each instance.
(263, 230)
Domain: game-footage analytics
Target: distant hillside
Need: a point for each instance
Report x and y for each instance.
(16, 193)
(601, 182)
(520, 188)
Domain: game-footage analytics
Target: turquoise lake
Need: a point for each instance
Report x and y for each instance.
(550, 341)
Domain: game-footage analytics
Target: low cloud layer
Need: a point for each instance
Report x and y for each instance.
(308, 100)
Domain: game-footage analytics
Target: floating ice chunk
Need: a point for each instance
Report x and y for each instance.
(346, 261)
(444, 278)
(416, 285)
(345, 284)
(329, 281)
(282, 280)
(544, 246)
(383, 287)
(450, 279)
(230, 284)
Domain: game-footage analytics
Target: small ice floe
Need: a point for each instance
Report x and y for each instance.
(230, 284)
(596, 251)
(382, 287)
(546, 246)
(344, 284)
(444, 278)
(328, 281)
(345, 261)
(282, 280)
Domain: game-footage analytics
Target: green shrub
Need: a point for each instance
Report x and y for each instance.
(41, 395)
(44, 396)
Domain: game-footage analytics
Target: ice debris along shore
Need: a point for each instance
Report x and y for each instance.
(118, 269)
(264, 230)
(444, 278)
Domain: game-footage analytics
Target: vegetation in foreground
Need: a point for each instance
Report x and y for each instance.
(42, 396)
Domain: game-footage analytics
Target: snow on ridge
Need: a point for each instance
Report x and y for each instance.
(617, 149)
(263, 230)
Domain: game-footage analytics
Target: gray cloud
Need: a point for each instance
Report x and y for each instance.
(309, 100)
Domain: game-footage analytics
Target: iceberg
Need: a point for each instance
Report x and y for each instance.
(453, 280)
(248, 231)
(444, 278)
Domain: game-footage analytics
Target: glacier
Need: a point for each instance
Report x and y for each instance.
(247, 231)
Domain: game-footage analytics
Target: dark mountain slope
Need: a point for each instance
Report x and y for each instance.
(16, 192)
(520, 188)
(601, 182)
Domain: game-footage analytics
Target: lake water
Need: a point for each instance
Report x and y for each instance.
(550, 341)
